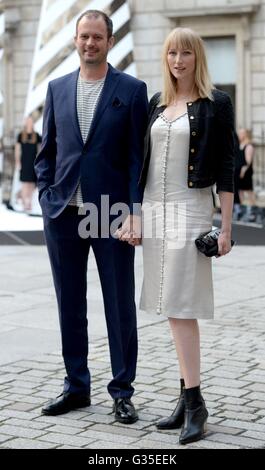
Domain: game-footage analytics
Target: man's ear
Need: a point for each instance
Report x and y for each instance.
(111, 42)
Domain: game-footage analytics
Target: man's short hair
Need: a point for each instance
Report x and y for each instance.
(97, 14)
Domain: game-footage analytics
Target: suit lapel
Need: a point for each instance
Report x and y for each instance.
(72, 95)
(111, 82)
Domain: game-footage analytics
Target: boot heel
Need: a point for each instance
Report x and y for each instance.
(195, 418)
(205, 428)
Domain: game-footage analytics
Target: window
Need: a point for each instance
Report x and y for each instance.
(221, 56)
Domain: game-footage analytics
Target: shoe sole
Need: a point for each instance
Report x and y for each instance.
(193, 440)
(126, 420)
(62, 412)
(189, 441)
(168, 427)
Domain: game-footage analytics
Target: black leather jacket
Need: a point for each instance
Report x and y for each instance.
(212, 142)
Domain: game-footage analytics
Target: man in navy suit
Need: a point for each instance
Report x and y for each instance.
(92, 148)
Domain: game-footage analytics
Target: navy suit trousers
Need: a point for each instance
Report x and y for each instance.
(68, 254)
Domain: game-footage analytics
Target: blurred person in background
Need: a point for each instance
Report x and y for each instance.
(237, 211)
(1, 168)
(26, 149)
(245, 181)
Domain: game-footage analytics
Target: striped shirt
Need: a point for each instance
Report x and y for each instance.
(88, 94)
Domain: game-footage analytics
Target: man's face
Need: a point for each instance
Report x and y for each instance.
(92, 41)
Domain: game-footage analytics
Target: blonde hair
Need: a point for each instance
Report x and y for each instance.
(185, 38)
(248, 133)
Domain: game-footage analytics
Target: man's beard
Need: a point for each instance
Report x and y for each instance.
(98, 60)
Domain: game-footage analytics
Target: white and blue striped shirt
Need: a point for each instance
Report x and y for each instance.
(88, 94)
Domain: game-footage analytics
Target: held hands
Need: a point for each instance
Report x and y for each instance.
(130, 230)
(224, 244)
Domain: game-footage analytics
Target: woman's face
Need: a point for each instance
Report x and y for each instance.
(181, 63)
(29, 122)
(242, 135)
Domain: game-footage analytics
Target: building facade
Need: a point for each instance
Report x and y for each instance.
(21, 19)
(234, 34)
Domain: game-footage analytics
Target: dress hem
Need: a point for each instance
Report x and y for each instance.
(181, 316)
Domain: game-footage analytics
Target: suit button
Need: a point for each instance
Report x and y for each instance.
(192, 150)
(190, 184)
(191, 167)
(193, 133)
(191, 117)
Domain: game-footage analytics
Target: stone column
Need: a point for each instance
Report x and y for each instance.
(12, 19)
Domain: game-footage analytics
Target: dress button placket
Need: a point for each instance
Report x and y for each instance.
(163, 191)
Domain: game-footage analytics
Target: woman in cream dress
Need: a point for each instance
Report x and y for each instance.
(178, 279)
(183, 160)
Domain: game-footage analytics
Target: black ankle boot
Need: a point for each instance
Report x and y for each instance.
(195, 417)
(176, 420)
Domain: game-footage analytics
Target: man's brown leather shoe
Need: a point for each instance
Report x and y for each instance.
(64, 403)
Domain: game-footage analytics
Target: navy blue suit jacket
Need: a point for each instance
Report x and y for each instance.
(110, 161)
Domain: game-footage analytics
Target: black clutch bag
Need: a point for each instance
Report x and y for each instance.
(207, 243)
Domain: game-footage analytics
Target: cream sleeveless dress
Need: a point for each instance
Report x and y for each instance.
(177, 277)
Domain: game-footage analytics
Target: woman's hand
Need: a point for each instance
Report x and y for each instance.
(130, 230)
(224, 239)
(224, 243)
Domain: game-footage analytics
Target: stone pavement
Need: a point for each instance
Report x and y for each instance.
(31, 369)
